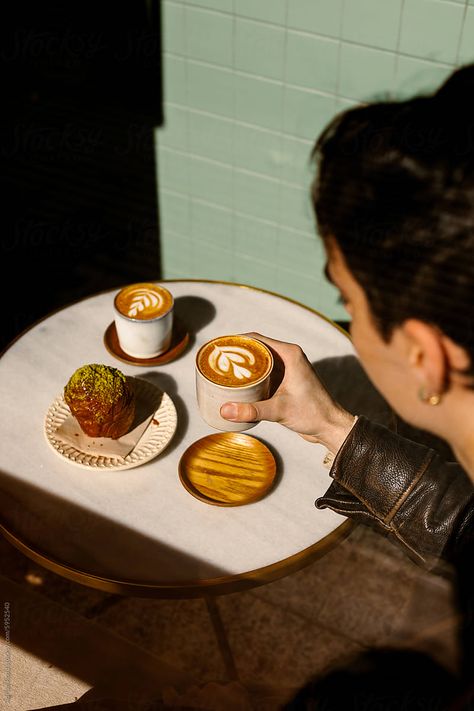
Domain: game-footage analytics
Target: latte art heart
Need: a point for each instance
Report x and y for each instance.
(234, 361)
(225, 358)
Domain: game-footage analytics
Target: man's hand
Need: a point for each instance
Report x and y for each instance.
(301, 402)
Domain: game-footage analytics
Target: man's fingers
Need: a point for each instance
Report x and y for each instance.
(247, 412)
(239, 412)
(276, 345)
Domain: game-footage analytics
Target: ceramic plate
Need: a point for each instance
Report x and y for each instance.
(227, 469)
(154, 440)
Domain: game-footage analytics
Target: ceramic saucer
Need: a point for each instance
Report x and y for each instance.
(179, 341)
(155, 439)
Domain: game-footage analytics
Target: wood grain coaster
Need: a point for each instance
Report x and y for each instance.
(227, 469)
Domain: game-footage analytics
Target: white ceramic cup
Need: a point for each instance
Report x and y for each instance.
(144, 319)
(212, 395)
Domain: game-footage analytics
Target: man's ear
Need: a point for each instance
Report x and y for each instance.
(432, 354)
(426, 354)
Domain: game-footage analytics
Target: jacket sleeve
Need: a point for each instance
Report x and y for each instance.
(404, 489)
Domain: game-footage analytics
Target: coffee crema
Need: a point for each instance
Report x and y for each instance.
(234, 361)
(143, 301)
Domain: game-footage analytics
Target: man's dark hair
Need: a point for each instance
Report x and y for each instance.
(395, 189)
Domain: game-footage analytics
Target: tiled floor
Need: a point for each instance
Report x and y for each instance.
(144, 654)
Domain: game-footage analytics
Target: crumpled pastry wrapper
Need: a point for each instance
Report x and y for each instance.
(70, 433)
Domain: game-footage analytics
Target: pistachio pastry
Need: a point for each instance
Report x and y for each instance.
(101, 399)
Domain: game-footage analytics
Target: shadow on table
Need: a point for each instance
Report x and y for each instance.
(43, 521)
(168, 384)
(280, 467)
(345, 379)
(195, 312)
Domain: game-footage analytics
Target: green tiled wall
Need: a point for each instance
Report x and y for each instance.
(248, 87)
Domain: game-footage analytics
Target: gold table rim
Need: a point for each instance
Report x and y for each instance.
(220, 585)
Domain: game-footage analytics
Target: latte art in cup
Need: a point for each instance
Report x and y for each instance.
(234, 361)
(143, 301)
(144, 319)
(231, 368)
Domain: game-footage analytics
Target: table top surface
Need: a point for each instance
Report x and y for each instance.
(138, 530)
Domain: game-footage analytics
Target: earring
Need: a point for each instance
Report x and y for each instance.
(433, 399)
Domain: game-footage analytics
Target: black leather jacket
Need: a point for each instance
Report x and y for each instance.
(406, 490)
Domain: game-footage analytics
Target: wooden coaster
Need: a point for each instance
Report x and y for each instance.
(179, 341)
(227, 469)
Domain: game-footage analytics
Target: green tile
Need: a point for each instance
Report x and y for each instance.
(209, 36)
(211, 136)
(255, 195)
(258, 101)
(305, 113)
(210, 181)
(366, 74)
(174, 213)
(305, 290)
(172, 27)
(174, 79)
(211, 225)
(261, 274)
(344, 104)
(296, 166)
(320, 16)
(257, 149)
(311, 62)
(173, 132)
(300, 253)
(223, 5)
(175, 254)
(267, 10)
(372, 22)
(431, 29)
(210, 89)
(259, 49)
(172, 170)
(466, 52)
(296, 210)
(176, 274)
(255, 239)
(211, 262)
(312, 291)
(416, 77)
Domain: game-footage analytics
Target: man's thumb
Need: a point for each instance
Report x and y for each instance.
(241, 412)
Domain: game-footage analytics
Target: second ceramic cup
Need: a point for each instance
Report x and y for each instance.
(144, 319)
(231, 369)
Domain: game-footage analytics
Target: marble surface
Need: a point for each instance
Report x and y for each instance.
(141, 524)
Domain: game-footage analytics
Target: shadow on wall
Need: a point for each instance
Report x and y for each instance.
(82, 94)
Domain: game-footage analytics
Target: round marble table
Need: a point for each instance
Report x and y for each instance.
(138, 531)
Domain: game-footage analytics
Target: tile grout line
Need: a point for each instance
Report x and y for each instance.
(461, 32)
(243, 171)
(334, 40)
(397, 51)
(270, 23)
(300, 87)
(339, 53)
(233, 185)
(281, 138)
(238, 122)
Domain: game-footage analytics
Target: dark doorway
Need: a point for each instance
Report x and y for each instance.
(81, 97)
